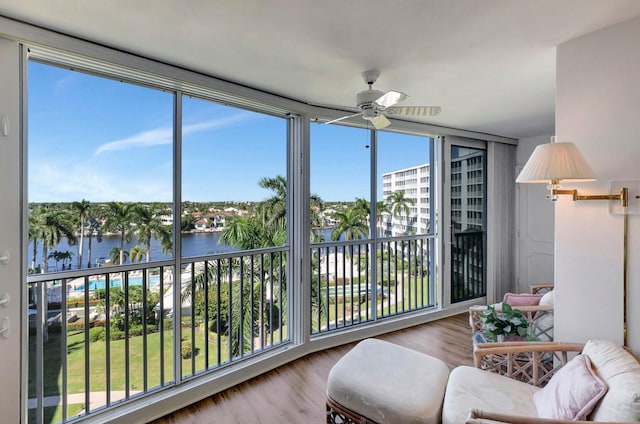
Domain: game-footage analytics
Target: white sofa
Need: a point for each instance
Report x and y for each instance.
(492, 397)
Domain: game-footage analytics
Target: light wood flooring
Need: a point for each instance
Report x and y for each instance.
(295, 393)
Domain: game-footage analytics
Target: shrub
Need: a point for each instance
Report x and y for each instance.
(185, 350)
(117, 335)
(97, 334)
(135, 330)
(168, 324)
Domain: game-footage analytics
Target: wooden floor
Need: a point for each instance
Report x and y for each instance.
(295, 393)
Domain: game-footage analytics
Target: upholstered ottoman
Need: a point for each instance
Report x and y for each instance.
(380, 382)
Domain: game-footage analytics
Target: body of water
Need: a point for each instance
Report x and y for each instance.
(193, 244)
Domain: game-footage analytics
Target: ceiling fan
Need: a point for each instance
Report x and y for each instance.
(375, 104)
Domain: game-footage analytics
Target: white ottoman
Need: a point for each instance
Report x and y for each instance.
(384, 383)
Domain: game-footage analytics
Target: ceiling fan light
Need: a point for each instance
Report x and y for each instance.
(380, 122)
(390, 98)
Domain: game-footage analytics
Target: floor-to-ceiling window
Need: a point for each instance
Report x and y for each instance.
(129, 289)
(406, 221)
(234, 218)
(181, 209)
(373, 254)
(100, 196)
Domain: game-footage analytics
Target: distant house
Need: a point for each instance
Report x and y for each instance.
(167, 219)
(202, 225)
(219, 219)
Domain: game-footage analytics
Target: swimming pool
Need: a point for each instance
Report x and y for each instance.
(116, 282)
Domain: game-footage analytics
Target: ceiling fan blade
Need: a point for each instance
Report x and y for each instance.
(414, 110)
(343, 118)
(380, 122)
(390, 98)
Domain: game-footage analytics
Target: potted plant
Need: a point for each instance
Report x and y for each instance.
(500, 324)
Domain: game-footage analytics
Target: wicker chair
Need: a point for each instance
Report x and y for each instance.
(540, 288)
(518, 359)
(539, 317)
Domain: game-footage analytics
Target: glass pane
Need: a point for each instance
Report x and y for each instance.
(404, 184)
(100, 190)
(340, 175)
(95, 146)
(468, 222)
(234, 179)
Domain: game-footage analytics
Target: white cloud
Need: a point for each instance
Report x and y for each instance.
(58, 182)
(164, 136)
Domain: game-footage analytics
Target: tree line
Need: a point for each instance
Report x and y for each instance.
(49, 223)
(264, 226)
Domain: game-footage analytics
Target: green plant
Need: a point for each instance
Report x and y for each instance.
(185, 350)
(504, 322)
(97, 334)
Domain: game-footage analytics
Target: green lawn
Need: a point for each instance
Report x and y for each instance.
(52, 377)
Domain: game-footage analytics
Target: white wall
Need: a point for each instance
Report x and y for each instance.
(598, 108)
(10, 275)
(534, 225)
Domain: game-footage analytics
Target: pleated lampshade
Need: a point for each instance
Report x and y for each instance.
(554, 162)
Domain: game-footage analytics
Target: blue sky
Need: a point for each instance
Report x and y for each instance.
(99, 139)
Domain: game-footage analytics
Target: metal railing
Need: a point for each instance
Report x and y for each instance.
(99, 337)
(347, 291)
(467, 266)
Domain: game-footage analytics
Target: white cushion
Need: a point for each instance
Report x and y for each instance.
(621, 372)
(470, 388)
(544, 320)
(388, 383)
(549, 298)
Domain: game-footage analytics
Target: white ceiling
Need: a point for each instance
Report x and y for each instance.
(490, 64)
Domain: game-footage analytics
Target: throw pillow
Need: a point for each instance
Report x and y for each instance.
(572, 392)
(522, 299)
(548, 298)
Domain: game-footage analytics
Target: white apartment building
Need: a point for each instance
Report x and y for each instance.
(467, 190)
(415, 182)
(467, 195)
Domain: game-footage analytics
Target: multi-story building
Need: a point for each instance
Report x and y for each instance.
(415, 182)
(467, 195)
(467, 190)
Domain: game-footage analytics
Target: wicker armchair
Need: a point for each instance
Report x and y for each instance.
(534, 363)
(530, 362)
(541, 288)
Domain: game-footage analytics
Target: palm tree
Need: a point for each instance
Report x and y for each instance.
(118, 255)
(119, 219)
(381, 208)
(55, 225)
(362, 206)
(265, 227)
(36, 222)
(399, 204)
(352, 223)
(95, 227)
(66, 256)
(274, 209)
(149, 225)
(136, 253)
(55, 255)
(81, 209)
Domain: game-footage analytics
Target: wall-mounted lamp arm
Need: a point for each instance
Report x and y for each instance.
(623, 196)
